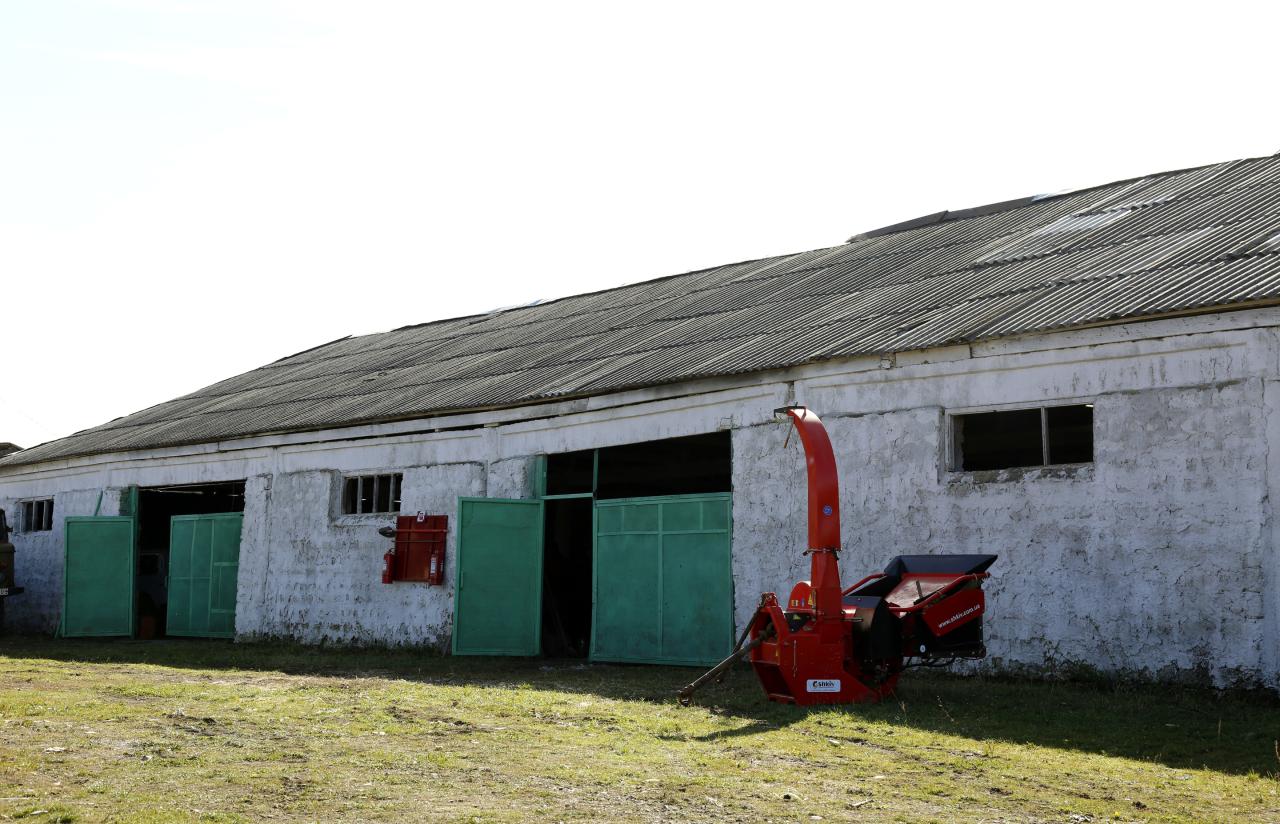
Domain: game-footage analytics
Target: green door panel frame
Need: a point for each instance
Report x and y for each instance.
(498, 584)
(662, 574)
(98, 577)
(204, 562)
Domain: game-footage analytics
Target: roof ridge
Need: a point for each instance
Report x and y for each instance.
(947, 216)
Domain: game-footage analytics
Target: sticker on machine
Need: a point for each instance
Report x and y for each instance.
(823, 685)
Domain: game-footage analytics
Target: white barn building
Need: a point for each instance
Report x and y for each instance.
(1087, 384)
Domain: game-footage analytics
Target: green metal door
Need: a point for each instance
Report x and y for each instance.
(204, 560)
(663, 580)
(498, 600)
(98, 577)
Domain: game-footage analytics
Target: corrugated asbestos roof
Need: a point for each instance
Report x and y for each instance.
(1173, 242)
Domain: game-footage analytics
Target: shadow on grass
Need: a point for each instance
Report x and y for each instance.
(1179, 727)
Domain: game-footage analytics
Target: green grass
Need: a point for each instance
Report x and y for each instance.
(214, 732)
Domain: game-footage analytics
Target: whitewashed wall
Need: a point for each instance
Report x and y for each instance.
(38, 555)
(1151, 560)
(1158, 558)
(315, 575)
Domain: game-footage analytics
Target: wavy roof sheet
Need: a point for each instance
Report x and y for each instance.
(1189, 240)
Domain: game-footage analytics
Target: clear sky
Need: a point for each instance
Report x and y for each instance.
(189, 190)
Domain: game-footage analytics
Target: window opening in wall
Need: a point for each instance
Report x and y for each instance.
(368, 494)
(156, 508)
(1070, 434)
(37, 516)
(1022, 438)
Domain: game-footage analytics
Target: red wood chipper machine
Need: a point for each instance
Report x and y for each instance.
(833, 644)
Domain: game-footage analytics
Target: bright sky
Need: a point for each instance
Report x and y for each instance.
(189, 190)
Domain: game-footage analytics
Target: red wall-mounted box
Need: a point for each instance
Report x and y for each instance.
(419, 549)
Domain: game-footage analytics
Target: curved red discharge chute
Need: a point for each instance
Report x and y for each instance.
(824, 510)
(824, 488)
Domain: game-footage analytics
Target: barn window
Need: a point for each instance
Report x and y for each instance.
(368, 494)
(37, 516)
(1022, 438)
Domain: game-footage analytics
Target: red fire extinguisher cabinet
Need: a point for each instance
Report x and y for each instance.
(419, 549)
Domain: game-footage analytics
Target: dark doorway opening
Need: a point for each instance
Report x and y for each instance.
(156, 508)
(566, 578)
(571, 473)
(574, 481)
(675, 466)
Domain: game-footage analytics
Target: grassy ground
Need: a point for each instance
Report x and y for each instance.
(207, 731)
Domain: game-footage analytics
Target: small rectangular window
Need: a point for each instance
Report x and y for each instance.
(1023, 438)
(368, 494)
(37, 516)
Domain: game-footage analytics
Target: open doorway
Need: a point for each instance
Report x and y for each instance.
(674, 466)
(156, 508)
(566, 578)
(574, 482)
